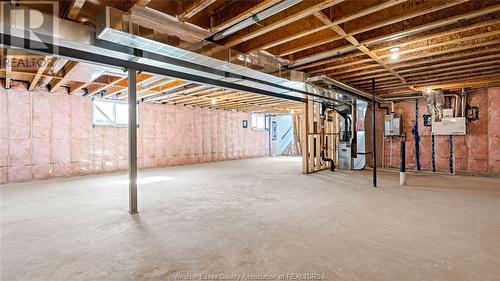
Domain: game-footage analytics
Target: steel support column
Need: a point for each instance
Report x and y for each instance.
(374, 134)
(132, 140)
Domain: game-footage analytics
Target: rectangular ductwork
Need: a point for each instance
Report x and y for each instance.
(114, 46)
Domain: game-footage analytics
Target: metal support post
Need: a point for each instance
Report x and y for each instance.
(132, 140)
(374, 140)
(402, 162)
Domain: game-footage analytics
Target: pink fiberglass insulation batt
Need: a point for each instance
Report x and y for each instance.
(46, 135)
(474, 153)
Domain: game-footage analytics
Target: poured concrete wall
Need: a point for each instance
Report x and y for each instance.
(476, 153)
(46, 135)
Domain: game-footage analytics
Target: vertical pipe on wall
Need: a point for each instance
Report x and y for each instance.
(304, 132)
(450, 141)
(268, 134)
(132, 140)
(354, 137)
(433, 146)
(417, 137)
(374, 140)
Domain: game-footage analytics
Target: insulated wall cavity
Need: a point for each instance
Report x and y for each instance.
(474, 153)
(44, 135)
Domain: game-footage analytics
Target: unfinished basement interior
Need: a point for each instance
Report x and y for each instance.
(250, 140)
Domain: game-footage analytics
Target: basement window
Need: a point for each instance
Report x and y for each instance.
(259, 122)
(110, 113)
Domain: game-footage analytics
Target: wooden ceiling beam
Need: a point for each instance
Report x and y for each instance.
(167, 85)
(39, 72)
(423, 23)
(343, 12)
(292, 14)
(239, 97)
(158, 86)
(429, 45)
(191, 95)
(143, 3)
(405, 11)
(221, 101)
(482, 51)
(194, 8)
(372, 21)
(452, 68)
(299, 28)
(469, 73)
(456, 48)
(370, 77)
(457, 63)
(391, 86)
(105, 82)
(379, 83)
(354, 57)
(358, 73)
(460, 83)
(207, 98)
(243, 99)
(225, 19)
(318, 65)
(337, 49)
(337, 64)
(367, 82)
(67, 70)
(306, 42)
(74, 9)
(349, 69)
(123, 84)
(271, 107)
(409, 40)
(77, 86)
(202, 96)
(362, 48)
(259, 102)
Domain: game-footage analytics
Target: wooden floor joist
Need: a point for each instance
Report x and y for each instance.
(402, 44)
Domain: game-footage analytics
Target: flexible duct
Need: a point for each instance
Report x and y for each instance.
(434, 100)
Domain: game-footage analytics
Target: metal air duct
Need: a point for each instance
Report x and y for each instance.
(117, 48)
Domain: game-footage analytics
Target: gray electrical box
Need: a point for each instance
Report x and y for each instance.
(392, 125)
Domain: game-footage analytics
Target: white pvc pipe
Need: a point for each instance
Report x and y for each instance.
(402, 178)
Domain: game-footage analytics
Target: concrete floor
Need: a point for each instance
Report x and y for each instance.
(255, 216)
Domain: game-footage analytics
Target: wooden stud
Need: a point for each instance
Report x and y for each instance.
(74, 9)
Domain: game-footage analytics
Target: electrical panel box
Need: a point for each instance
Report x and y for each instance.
(392, 125)
(449, 126)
